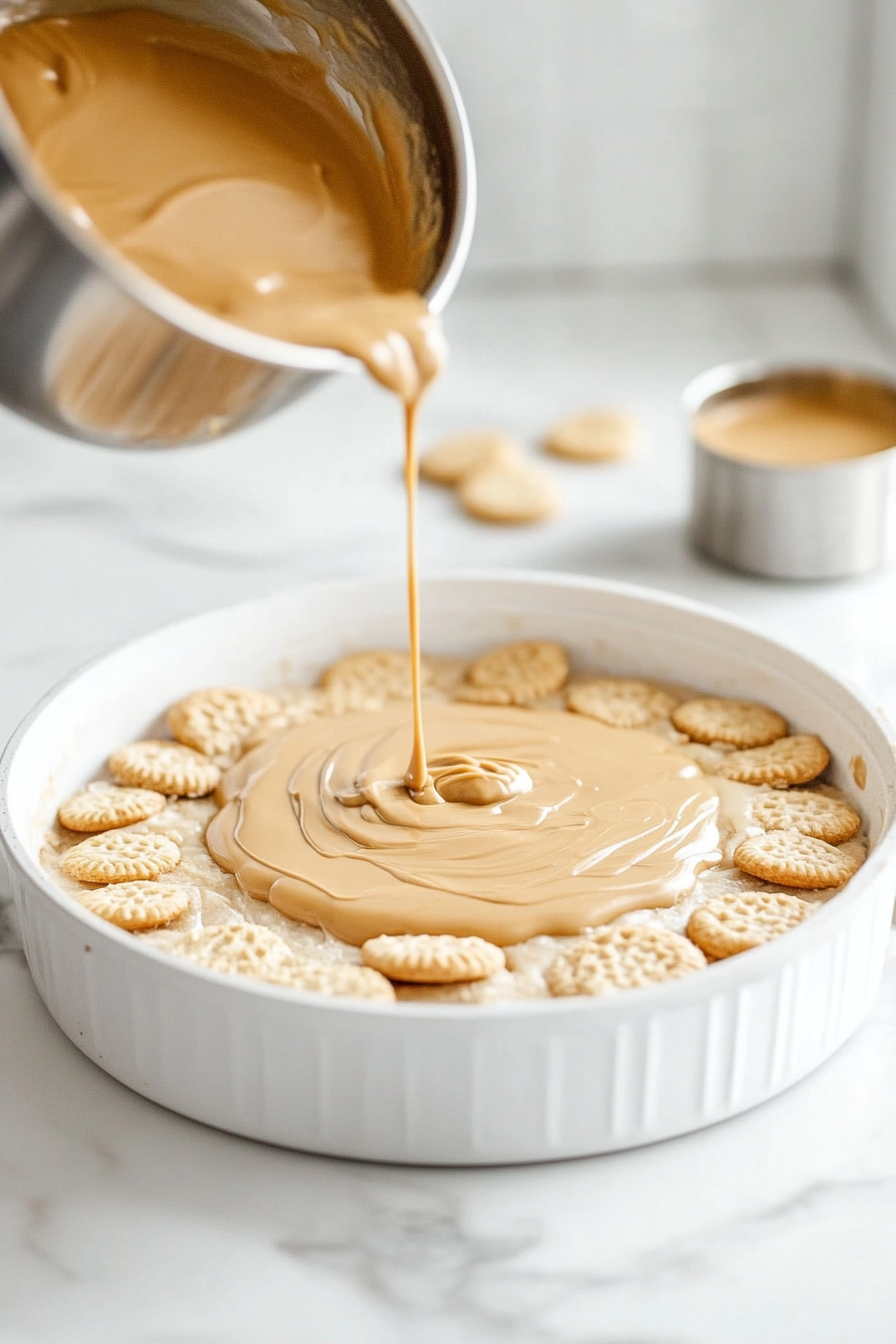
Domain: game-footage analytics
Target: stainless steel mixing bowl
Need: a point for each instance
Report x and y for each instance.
(95, 349)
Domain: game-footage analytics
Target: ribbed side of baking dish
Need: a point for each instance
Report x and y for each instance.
(449, 1084)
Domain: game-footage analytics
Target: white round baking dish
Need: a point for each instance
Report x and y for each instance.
(446, 1083)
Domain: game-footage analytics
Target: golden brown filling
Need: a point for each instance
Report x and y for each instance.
(539, 822)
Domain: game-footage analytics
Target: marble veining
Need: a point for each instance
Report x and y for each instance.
(123, 1224)
(9, 933)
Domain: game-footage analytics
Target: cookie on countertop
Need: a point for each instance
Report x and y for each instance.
(509, 494)
(451, 459)
(600, 435)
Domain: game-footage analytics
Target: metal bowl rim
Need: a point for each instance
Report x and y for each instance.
(195, 321)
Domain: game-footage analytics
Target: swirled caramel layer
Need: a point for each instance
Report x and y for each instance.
(570, 825)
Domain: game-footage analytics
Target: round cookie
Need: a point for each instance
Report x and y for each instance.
(737, 723)
(138, 905)
(601, 435)
(451, 459)
(812, 814)
(628, 956)
(483, 695)
(337, 979)
(215, 721)
(432, 959)
(383, 674)
(792, 859)
(620, 702)
(526, 670)
(508, 495)
(120, 856)
(236, 948)
(105, 807)
(790, 760)
(739, 921)
(167, 767)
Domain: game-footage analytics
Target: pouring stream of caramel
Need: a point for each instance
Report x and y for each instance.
(237, 178)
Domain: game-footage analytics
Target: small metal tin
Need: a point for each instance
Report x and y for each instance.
(824, 521)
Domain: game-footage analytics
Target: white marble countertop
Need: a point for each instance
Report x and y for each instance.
(123, 1224)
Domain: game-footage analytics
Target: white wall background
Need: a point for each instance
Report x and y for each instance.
(875, 224)
(670, 133)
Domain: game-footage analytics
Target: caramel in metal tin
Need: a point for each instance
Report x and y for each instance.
(783, 428)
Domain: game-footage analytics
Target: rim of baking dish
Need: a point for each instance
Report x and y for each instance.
(727, 974)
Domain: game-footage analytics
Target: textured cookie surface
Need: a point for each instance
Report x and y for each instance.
(120, 856)
(167, 767)
(509, 495)
(738, 921)
(215, 721)
(337, 979)
(601, 435)
(449, 460)
(790, 760)
(814, 814)
(621, 702)
(313, 706)
(738, 723)
(622, 957)
(106, 807)
(237, 949)
(137, 905)
(379, 674)
(432, 959)
(527, 670)
(483, 695)
(795, 860)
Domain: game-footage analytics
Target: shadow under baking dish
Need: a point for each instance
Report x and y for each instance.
(443, 1083)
